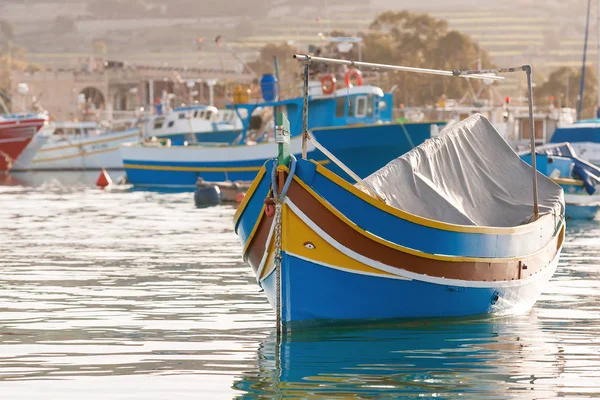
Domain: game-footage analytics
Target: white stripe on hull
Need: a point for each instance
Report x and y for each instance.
(260, 151)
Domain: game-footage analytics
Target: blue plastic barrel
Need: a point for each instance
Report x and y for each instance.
(268, 87)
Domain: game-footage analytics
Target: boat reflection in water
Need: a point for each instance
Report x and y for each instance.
(443, 357)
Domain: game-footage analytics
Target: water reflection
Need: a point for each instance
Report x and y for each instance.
(445, 358)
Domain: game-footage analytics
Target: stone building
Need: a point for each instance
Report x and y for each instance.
(115, 89)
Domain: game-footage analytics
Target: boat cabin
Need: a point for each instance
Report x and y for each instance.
(358, 105)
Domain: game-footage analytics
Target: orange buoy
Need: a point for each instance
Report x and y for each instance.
(104, 179)
(239, 197)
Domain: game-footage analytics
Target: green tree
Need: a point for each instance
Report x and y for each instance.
(562, 89)
(412, 39)
(288, 67)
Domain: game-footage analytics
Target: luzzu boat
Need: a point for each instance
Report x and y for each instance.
(354, 123)
(446, 230)
(579, 179)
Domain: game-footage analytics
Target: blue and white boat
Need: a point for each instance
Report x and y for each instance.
(448, 229)
(195, 123)
(579, 179)
(584, 138)
(354, 123)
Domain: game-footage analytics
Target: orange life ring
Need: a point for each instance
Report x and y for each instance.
(328, 84)
(353, 73)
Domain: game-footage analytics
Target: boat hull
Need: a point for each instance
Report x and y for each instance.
(316, 293)
(363, 148)
(92, 152)
(580, 204)
(15, 136)
(582, 211)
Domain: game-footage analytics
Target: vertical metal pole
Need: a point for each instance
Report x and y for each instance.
(305, 110)
(527, 69)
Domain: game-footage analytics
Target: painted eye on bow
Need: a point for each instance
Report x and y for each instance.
(309, 245)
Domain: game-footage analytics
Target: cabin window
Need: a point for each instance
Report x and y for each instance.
(182, 116)
(201, 114)
(361, 106)
(340, 107)
(208, 114)
(370, 102)
(196, 114)
(171, 123)
(158, 125)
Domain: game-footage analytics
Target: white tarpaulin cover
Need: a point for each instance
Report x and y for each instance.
(469, 176)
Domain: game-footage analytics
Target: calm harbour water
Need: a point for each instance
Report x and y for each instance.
(138, 295)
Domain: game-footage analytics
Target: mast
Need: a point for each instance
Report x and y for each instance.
(598, 59)
(587, 30)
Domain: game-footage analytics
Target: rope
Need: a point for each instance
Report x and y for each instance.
(278, 199)
(410, 142)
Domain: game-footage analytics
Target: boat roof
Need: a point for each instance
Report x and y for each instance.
(350, 91)
(74, 124)
(20, 116)
(195, 107)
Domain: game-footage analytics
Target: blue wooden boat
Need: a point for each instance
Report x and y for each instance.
(354, 123)
(584, 138)
(446, 230)
(579, 179)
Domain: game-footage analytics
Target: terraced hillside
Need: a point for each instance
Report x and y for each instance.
(56, 33)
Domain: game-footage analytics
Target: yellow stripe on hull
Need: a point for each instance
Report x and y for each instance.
(77, 155)
(568, 181)
(300, 240)
(69, 146)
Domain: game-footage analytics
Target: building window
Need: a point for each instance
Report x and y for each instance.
(340, 107)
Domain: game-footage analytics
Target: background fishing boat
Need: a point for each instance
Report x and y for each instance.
(89, 145)
(579, 179)
(78, 145)
(354, 122)
(16, 132)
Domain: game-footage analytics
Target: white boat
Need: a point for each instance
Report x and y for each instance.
(76, 145)
(86, 145)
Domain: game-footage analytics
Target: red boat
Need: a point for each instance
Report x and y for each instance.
(16, 131)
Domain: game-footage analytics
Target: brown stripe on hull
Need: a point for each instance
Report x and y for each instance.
(257, 246)
(471, 271)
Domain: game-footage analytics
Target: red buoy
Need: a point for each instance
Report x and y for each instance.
(104, 179)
